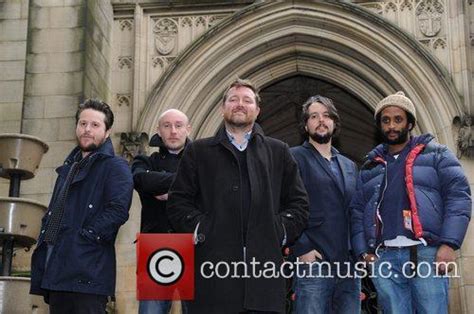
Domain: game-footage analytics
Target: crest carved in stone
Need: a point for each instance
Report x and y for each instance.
(429, 14)
(166, 33)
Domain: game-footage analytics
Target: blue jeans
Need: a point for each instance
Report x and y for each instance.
(401, 291)
(326, 293)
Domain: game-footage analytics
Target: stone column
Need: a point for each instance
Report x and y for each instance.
(466, 259)
(13, 38)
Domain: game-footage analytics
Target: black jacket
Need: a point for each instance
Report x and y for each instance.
(152, 175)
(207, 189)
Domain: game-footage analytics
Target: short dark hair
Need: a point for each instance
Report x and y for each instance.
(410, 119)
(98, 105)
(242, 83)
(326, 102)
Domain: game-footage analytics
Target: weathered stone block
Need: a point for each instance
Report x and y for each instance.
(61, 106)
(13, 50)
(12, 70)
(13, 30)
(11, 126)
(11, 91)
(66, 17)
(126, 278)
(56, 3)
(57, 40)
(54, 84)
(128, 231)
(10, 10)
(126, 301)
(126, 254)
(57, 153)
(67, 129)
(54, 62)
(39, 18)
(10, 111)
(45, 129)
(41, 184)
(34, 107)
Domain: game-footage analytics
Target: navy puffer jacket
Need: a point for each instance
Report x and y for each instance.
(442, 197)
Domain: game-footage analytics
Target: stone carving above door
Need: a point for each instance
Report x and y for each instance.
(429, 15)
(165, 31)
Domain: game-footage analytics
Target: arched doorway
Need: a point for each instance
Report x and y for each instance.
(281, 110)
(337, 43)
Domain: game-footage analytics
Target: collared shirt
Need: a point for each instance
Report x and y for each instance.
(243, 146)
(336, 171)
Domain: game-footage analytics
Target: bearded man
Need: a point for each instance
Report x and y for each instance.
(240, 192)
(410, 212)
(324, 285)
(73, 265)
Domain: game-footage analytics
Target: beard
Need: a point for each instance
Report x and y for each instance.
(238, 121)
(90, 147)
(402, 137)
(321, 139)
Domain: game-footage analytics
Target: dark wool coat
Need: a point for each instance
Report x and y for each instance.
(83, 258)
(153, 175)
(207, 189)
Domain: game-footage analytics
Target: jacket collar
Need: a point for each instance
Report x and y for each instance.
(221, 134)
(105, 150)
(324, 165)
(380, 150)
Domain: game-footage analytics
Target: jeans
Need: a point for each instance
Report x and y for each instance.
(332, 294)
(399, 293)
(158, 307)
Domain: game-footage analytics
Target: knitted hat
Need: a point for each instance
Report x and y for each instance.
(398, 99)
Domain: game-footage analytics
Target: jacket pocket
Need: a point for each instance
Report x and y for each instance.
(315, 221)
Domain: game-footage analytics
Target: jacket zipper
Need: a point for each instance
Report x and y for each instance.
(378, 217)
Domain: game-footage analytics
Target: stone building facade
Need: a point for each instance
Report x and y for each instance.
(144, 56)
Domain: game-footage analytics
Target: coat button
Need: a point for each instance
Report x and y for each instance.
(235, 188)
(42, 231)
(49, 213)
(289, 215)
(188, 217)
(90, 206)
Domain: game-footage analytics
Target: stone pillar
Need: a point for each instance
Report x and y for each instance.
(13, 38)
(465, 284)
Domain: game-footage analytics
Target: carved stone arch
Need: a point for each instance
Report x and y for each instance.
(336, 41)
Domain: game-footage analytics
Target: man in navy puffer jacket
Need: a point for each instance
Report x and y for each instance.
(410, 213)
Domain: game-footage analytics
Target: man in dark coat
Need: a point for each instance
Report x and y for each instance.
(410, 213)
(330, 181)
(152, 176)
(241, 193)
(73, 265)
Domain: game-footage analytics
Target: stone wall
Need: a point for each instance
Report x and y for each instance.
(13, 41)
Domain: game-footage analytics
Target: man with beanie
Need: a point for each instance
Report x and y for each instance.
(330, 180)
(410, 213)
(152, 176)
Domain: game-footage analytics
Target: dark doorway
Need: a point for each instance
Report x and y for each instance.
(281, 109)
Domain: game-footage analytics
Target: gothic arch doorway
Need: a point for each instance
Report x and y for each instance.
(337, 43)
(281, 110)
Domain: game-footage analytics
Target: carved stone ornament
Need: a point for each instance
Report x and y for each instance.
(133, 144)
(166, 31)
(429, 14)
(125, 62)
(465, 140)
